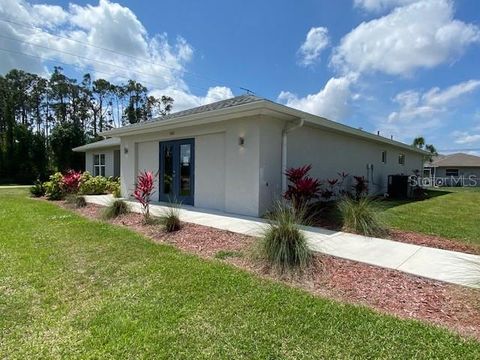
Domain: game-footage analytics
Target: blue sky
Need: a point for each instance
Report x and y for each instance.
(401, 67)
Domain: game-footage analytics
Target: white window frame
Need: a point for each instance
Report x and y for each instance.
(99, 166)
(401, 158)
(384, 156)
(448, 172)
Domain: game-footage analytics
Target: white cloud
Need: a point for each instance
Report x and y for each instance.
(420, 112)
(380, 5)
(464, 137)
(316, 40)
(414, 105)
(154, 60)
(332, 102)
(420, 35)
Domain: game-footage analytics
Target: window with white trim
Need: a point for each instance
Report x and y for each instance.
(384, 156)
(99, 165)
(401, 159)
(451, 172)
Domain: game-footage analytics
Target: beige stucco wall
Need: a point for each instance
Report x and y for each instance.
(247, 179)
(109, 166)
(226, 174)
(330, 153)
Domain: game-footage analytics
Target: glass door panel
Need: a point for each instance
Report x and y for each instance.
(177, 171)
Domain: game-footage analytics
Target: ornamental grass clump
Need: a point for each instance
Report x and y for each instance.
(283, 245)
(115, 209)
(360, 216)
(170, 219)
(143, 193)
(76, 201)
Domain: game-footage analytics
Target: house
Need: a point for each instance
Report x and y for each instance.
(232, 155)
(453, 170)
(102, 157)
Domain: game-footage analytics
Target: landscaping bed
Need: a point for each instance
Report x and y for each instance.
(385, 290)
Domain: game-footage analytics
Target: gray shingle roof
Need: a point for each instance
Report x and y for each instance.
(228, 103)
(110, 142)
(455, 160)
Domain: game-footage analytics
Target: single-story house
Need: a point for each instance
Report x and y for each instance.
(102, 157)
(232, 155)
(458, 169)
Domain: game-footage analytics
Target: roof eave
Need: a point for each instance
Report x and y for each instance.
(341, 128)
(250, 109)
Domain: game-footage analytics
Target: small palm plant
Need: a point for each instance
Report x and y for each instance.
(360, 216)
(283, 244)
(115, 209)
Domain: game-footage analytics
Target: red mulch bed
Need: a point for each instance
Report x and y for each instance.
(388, 291)
(433, 241)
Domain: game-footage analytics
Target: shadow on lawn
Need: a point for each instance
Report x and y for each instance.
(385, 204)
(326, 214)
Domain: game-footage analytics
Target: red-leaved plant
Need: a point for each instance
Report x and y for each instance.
(302, 188)
(143, 192)
(360, 187)
(71, 181)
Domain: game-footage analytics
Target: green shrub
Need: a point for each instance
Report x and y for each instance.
(113, 186)
(54, 187)
(37, 190)
(283, 245)
(115, 209)
(93, 185)
(360, 216)
(77, 201)
(170, 219)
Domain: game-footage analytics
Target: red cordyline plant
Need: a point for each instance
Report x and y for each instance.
(360, 187)
(143, 192)
(71, 181)
(302, 188)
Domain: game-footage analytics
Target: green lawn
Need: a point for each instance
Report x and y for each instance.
(73, 288)
(450, 212)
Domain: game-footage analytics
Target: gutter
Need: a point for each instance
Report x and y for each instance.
(287, 129)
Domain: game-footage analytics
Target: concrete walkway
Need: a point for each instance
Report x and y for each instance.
(443, 265)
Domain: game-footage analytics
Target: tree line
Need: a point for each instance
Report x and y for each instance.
(42, 119)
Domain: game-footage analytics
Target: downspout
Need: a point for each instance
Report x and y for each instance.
(285, 131)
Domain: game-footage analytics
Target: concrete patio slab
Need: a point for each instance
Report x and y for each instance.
(442, 265)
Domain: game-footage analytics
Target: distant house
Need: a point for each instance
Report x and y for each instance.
(232, 155)
(102, 157)
(454, 170)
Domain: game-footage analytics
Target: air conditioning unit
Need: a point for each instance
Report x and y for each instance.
(399, 187)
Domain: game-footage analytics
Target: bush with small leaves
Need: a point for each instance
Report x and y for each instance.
(283, 245)
(54, 187)
(93, 185)
(113, 187)
(115, 209)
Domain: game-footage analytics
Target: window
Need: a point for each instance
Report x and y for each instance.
(451, 172)
(99, 165)
(401, 159)
(384, 156)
